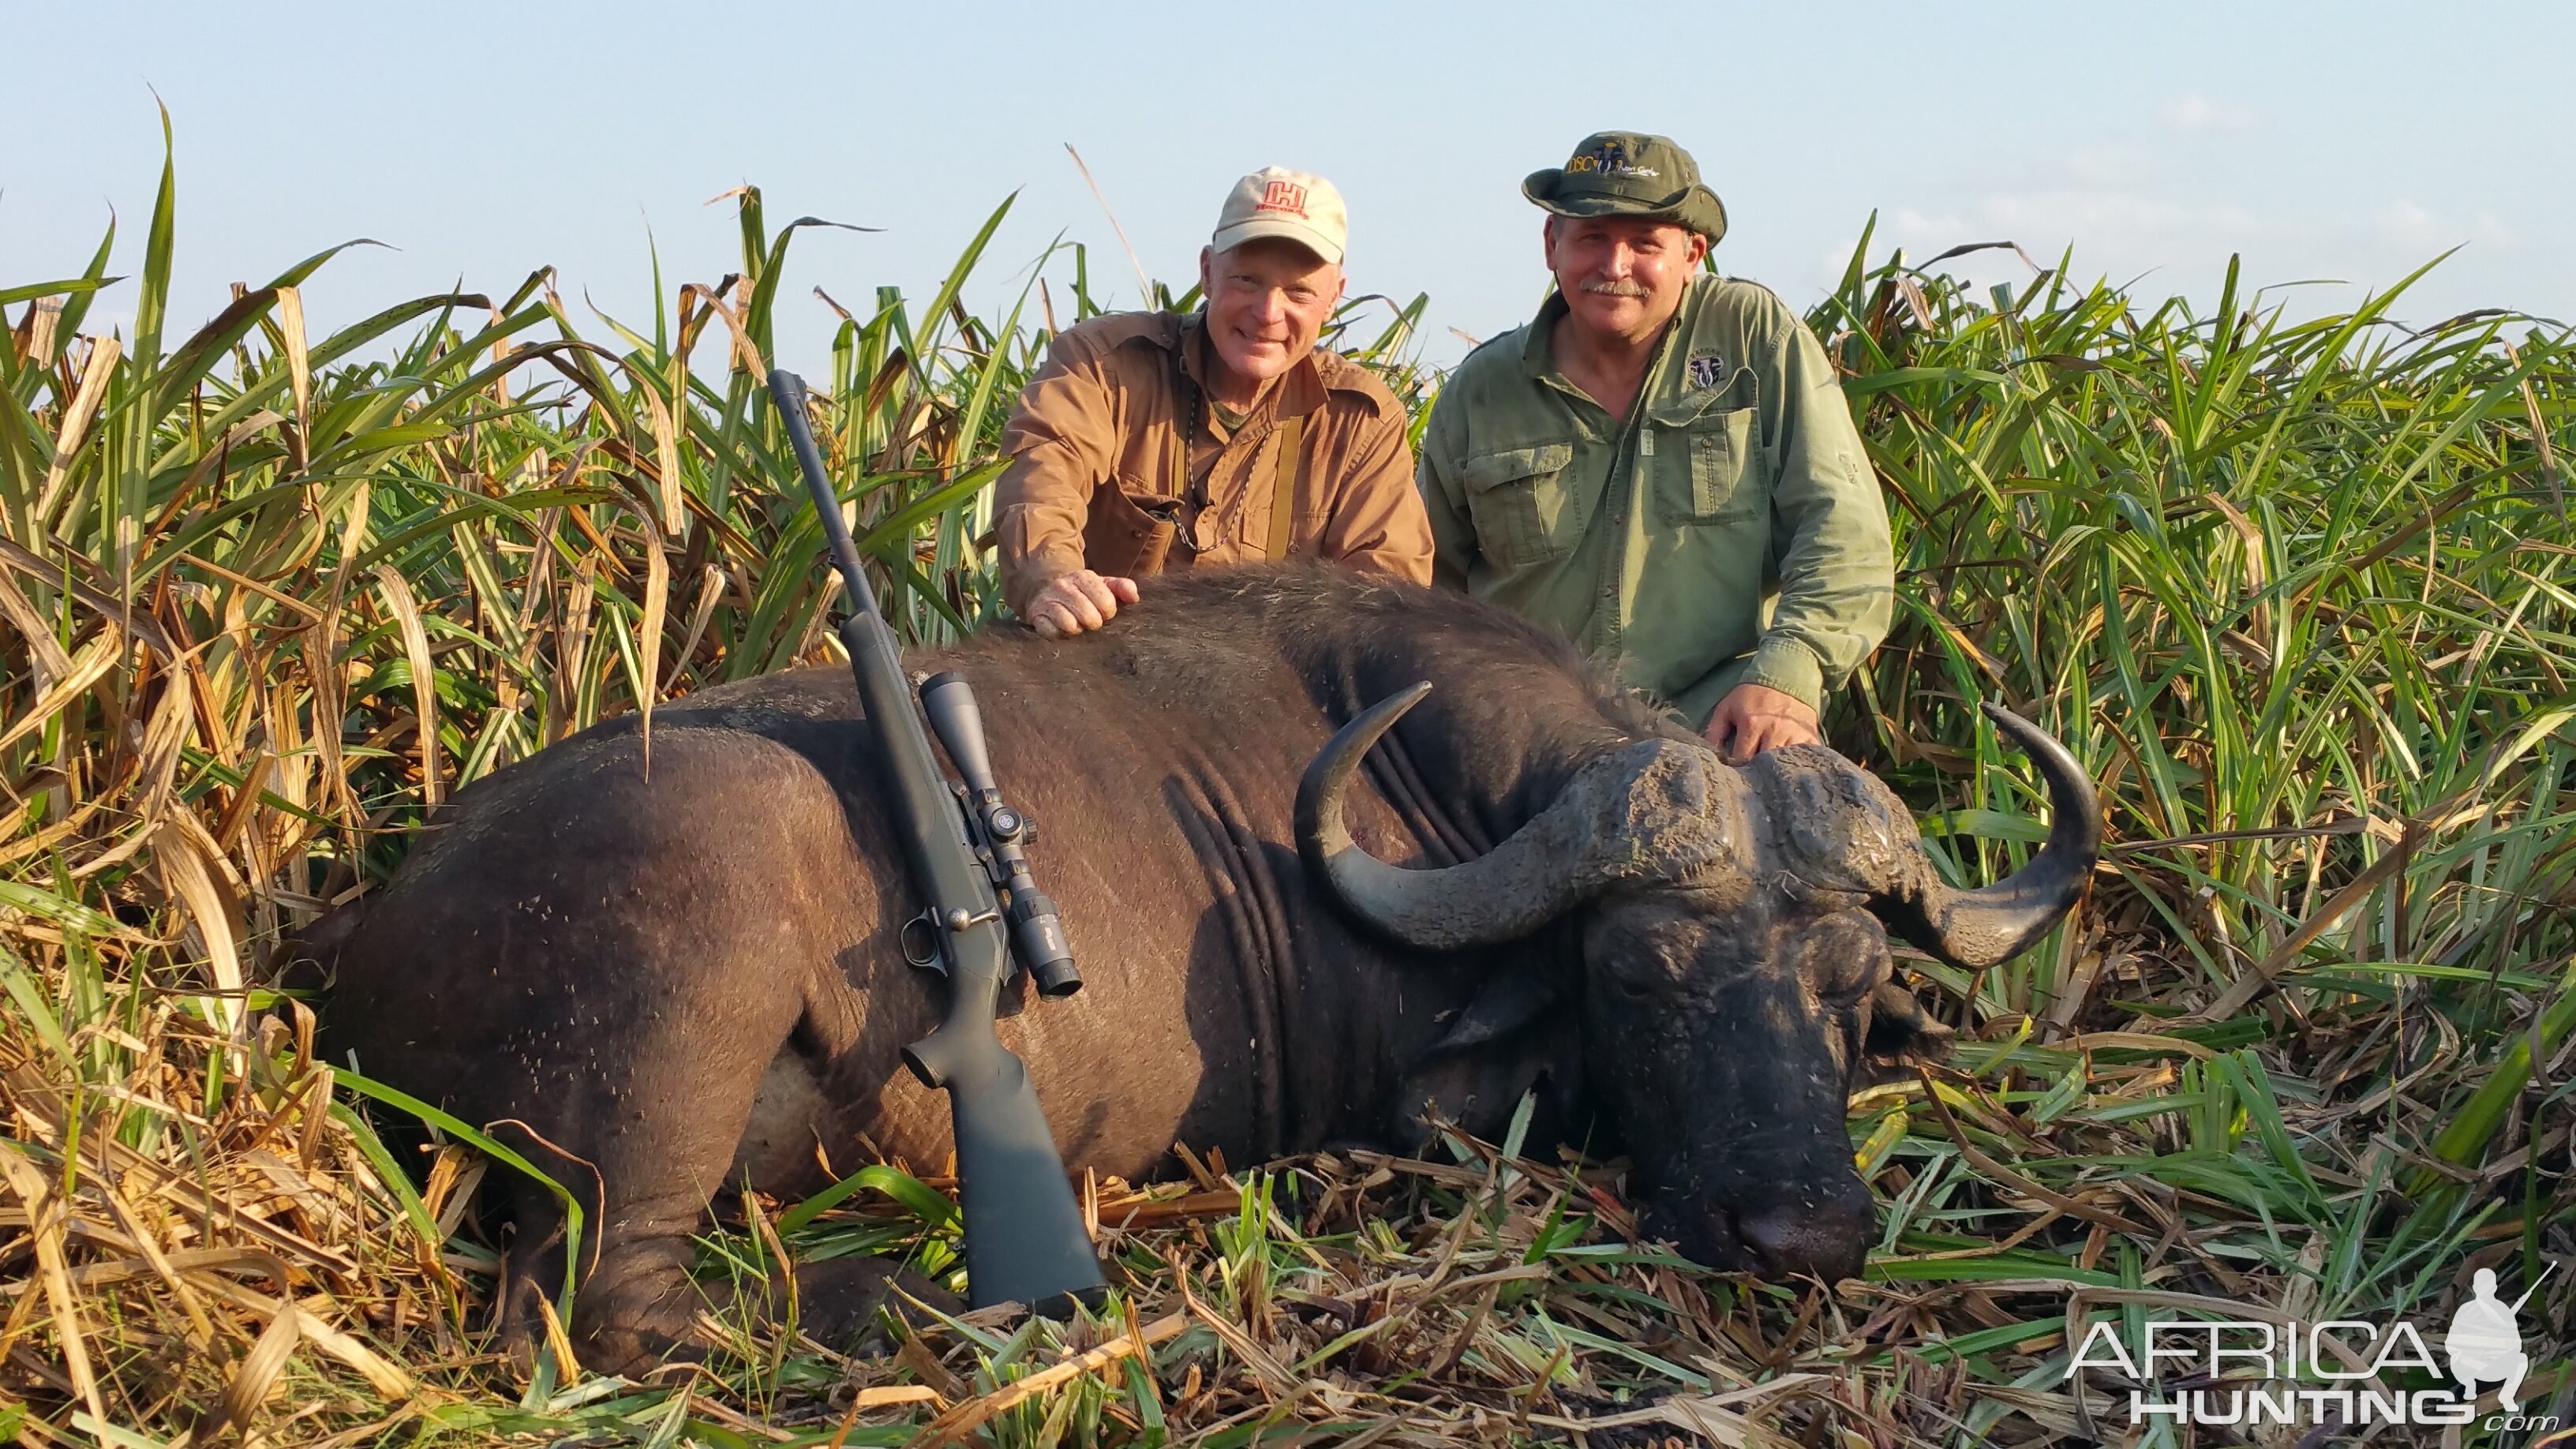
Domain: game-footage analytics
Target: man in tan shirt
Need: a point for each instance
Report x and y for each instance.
(1150, 441)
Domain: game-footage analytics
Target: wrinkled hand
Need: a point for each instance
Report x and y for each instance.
(1073, 602)
(1755, 717)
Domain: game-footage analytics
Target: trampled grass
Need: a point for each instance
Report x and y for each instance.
(2297, 592)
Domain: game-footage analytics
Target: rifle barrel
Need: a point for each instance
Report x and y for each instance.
(788, 391)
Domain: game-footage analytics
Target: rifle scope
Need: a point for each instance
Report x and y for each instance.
(1037, 932)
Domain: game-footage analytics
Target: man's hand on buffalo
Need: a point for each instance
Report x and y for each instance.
(1755, 717)
(1074, 602)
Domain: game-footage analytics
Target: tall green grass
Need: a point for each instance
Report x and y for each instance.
(2296, 591)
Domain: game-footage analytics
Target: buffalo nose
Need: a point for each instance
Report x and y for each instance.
(1828, 1240)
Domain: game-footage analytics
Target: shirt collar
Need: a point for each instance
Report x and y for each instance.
(1536, 357)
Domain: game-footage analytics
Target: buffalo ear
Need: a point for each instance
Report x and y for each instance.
(1510, 1038)
(1503, 1004)
(1900, 1029)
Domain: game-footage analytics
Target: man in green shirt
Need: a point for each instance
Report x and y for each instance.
(1662, 464)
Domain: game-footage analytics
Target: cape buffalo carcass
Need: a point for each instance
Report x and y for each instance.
(670, 983)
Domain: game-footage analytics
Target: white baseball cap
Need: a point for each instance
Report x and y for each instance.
(1275, 201)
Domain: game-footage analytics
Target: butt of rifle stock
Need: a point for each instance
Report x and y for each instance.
(1025, 1241)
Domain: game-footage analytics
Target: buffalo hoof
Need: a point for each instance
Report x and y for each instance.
(839, 1301)
(837, 1304)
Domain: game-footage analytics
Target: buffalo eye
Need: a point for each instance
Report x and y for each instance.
(1647, 951)
(1640, 986)
(1648, 970)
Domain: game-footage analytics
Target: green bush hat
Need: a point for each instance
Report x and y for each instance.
(1623, 173)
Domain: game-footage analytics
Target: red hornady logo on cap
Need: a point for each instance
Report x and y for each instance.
(1285, 196)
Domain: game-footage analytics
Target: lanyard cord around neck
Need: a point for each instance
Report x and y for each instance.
(1193, 491)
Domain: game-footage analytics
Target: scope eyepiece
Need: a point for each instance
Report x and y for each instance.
(1037, 933)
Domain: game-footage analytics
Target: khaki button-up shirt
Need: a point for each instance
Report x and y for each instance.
(1104, 412)
(1729, 531)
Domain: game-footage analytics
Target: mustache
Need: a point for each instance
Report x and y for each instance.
(1616, 289)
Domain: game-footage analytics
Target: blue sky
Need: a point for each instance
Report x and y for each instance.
(2350, 142)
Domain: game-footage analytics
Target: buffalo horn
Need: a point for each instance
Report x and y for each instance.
(1638, 813)
(1992, 924)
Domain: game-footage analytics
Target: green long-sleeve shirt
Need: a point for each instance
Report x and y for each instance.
(1730, 531)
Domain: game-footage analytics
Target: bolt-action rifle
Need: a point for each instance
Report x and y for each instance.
(1024, 1237)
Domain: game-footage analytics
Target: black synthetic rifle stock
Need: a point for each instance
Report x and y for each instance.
(1024, 1237)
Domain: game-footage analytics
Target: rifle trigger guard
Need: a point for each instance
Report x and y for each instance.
(919, 938)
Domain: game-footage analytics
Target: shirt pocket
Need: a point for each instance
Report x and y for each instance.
(1716, 479)
(1521, 509)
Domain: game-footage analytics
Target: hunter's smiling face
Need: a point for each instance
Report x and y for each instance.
(1621, 276)
(1267, 302)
